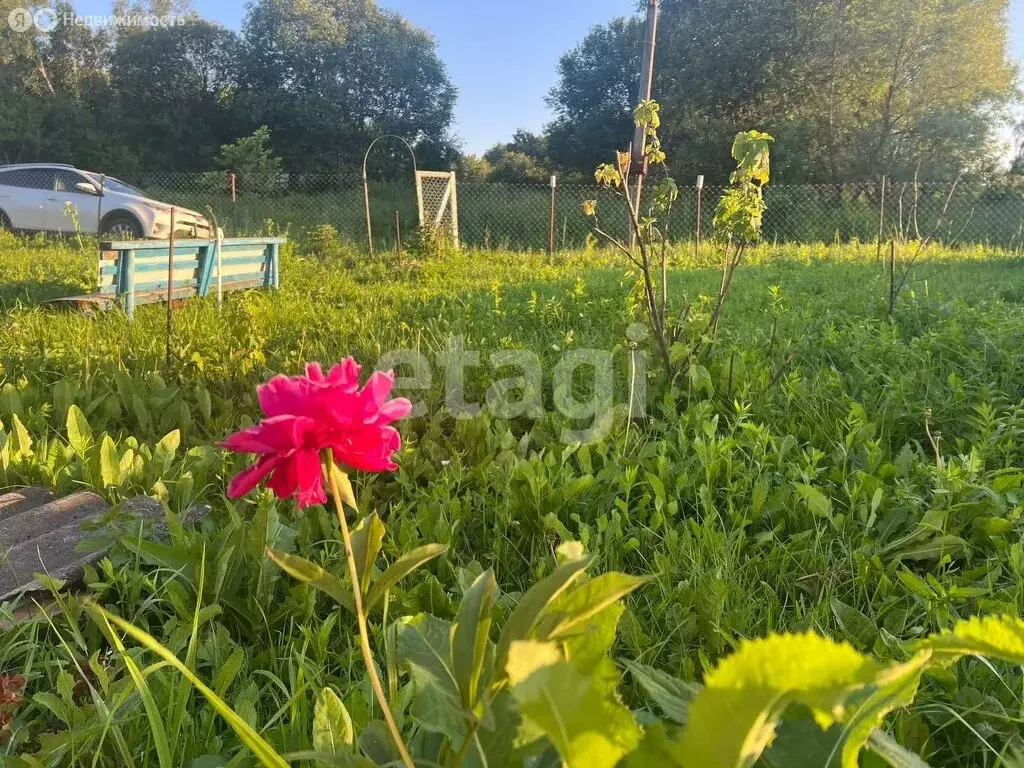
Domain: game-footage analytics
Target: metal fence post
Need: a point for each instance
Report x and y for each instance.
(881, 220)
(170, 289)
(128, 263)
(366, 199)
(455, 210)
(398, 235)
(700, 192)
(551, 240)
(233, 186)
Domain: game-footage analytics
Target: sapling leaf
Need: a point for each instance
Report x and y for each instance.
(315, 576)
(424, 646)
(333, 732)
(399, 569)
(367, 540)
(532, 606)
(471, 636)
(79, 432)
(733, 718)
(587, 728)
(999, 637)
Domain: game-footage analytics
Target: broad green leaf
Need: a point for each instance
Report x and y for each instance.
(377, 744)
(530, 608)
(935, 549)
(367, 539)
(671, 695)
(79, 432)
(589, 730)
(817, 502)
(161, 555)
(588, 648)
(423, 643)
(999, 637)
(263, 752)
(332, 727)
(733, 719)
(497, 738)
(163, 454)
(315, 576)
(110, 463)
(855, 624)
(800, 743)
(21, 442)
(471, 636)
(399, 569)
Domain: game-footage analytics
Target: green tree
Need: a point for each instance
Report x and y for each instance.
(596, 92)
(851, 89)
(329, 76)
(171, 85)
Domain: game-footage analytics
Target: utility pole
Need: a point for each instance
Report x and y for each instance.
(638, 155)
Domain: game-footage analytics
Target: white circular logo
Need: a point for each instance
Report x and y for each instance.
(20, 20)
(46, 19)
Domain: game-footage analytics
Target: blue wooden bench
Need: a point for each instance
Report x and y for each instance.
(134, 272)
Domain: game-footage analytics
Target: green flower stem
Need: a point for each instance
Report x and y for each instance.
(364, 636)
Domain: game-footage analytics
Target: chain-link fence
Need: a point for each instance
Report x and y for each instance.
(521, 216)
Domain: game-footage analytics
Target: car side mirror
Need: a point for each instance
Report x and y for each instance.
(87, 188)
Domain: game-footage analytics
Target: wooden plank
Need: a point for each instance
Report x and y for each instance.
(244, 268)
(92, 302)
(123, 245)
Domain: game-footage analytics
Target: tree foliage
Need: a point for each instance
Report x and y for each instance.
(325, 77)
(850, 89)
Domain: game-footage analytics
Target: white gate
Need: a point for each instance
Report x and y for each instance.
(438, 201)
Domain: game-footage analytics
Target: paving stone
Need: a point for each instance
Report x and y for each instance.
(43, 534)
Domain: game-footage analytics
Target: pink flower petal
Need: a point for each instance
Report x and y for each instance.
(393, 410)
(245, 481)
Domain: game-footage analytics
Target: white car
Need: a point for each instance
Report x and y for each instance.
(48, 197)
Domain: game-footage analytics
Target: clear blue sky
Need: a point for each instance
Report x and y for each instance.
(501, 54)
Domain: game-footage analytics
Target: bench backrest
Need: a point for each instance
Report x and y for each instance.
(136, 271)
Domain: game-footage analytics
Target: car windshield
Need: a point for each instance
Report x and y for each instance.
(116, 185)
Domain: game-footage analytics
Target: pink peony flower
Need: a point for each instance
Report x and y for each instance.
(307, 414)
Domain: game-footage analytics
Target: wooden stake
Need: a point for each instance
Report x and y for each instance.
(233, 185)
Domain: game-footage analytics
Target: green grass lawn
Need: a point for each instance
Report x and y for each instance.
(785, 482)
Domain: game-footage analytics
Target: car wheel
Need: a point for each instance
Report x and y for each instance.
(121, 228)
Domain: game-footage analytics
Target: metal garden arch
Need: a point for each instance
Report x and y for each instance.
(366, 183)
